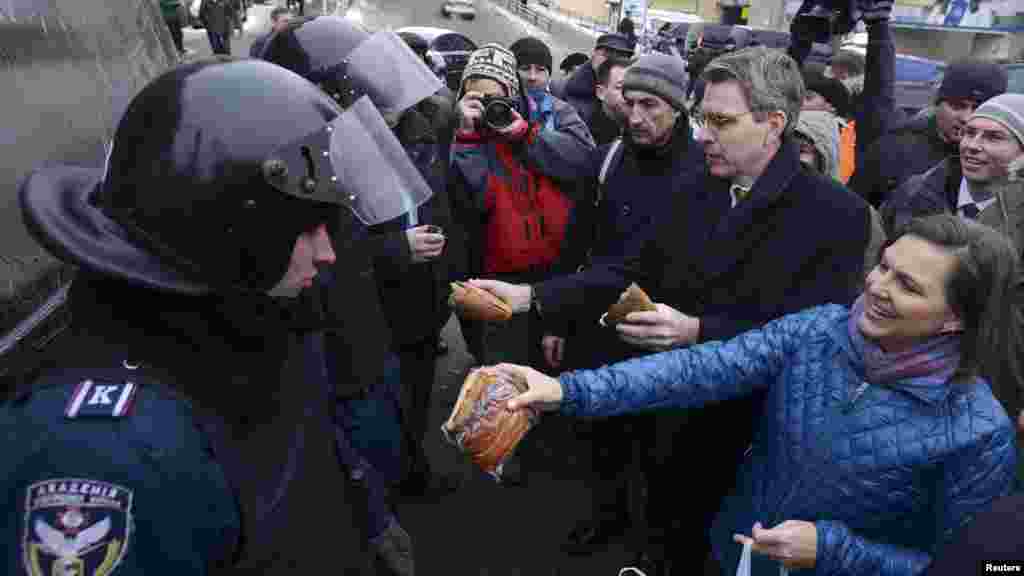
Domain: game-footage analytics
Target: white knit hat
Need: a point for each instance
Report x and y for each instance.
(496, 62)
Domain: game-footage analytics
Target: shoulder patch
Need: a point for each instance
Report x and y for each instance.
(75, 526)
(98, 399)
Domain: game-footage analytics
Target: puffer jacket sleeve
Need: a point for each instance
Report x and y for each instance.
(693, 377)
(971, 482)
(562, 153)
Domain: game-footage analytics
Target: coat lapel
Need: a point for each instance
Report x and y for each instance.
(744, 227)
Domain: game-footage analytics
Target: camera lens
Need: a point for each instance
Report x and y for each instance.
(498, 114)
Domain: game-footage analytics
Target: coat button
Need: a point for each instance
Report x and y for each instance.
(626, 210)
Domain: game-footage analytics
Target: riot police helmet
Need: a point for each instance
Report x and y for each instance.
(347, 62)
(215, 169)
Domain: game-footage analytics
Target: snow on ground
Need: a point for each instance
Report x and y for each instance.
(527, 27)
(559, 17)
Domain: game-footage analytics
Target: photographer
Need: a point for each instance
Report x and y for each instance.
(512, 180)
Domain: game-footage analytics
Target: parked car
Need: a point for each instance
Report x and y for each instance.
(916, 78)
(447, 52)
(463, 8)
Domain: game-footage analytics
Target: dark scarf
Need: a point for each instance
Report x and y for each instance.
(933, 360)
(666, 153)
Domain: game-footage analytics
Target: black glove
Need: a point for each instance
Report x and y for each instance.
(872, 11)
(817, 20)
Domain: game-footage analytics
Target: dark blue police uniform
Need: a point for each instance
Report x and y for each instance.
(176, 427)
(99, 469)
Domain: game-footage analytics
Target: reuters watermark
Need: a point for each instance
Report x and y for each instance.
(1002, 568)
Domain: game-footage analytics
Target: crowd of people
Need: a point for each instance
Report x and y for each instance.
(835, 334)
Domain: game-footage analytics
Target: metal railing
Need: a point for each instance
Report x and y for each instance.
(519, 8)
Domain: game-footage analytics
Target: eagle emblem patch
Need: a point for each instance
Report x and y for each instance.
(75, 527)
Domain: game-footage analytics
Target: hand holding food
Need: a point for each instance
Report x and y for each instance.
(481, 424)
(474, 303)
(634, 299)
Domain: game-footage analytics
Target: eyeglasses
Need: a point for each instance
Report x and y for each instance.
(985, 137)
(714, 120)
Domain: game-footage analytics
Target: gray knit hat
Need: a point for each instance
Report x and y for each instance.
(1008, 110)
(661, 75)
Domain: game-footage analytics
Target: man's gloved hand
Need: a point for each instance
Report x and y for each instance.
(872, 11)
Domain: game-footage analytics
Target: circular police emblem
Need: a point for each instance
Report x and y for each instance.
(75, 527)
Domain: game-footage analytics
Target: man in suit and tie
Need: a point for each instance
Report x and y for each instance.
(984, 183)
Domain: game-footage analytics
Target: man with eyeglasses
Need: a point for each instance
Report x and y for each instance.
(753, 237)
(985, 182)
(925, 140)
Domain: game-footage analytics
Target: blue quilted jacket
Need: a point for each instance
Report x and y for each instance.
(886, 474)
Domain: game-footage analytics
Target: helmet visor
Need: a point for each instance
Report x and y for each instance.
(355, 161)
(384, 68)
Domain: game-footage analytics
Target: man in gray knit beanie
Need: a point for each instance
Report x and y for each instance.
(992, 161)
(654, 90)
(661, 75)
(1008, 111)
(984, 183)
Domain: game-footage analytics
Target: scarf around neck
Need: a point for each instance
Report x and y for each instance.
(542, 107)
(933, 360)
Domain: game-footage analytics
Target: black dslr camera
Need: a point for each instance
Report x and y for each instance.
(820, 20)
(498, 111)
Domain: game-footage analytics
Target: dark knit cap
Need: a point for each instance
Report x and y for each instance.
(974, 80)
(661, 75)
(616, 42)
(573, 60)
(530, 50)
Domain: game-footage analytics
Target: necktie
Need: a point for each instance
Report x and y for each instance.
(739, 193)
(970, 211)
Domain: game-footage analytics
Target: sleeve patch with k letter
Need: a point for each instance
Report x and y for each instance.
(95, 399)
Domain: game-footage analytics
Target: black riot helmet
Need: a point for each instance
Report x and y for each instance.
(215, 170)
(347, 63)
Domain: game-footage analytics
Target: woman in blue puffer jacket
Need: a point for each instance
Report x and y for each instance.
(881, 435)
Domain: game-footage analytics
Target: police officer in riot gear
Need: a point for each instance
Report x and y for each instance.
(347, 62)
(177, 430)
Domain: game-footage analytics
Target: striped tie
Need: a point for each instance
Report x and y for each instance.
(740, 193)
(970, 211)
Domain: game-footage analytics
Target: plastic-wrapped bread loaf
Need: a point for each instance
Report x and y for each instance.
(482, 426)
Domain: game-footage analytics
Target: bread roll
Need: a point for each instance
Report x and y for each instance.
(635, 300)
(474, 303)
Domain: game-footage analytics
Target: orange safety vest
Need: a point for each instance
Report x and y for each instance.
(847, 151)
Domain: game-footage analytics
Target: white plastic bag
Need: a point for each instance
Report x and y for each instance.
(744, 566)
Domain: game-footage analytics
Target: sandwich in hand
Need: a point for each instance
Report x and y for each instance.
(474, 303)
(634, 299)
(482, 426)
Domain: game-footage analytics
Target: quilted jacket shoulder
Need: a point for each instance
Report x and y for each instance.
(887, 473)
